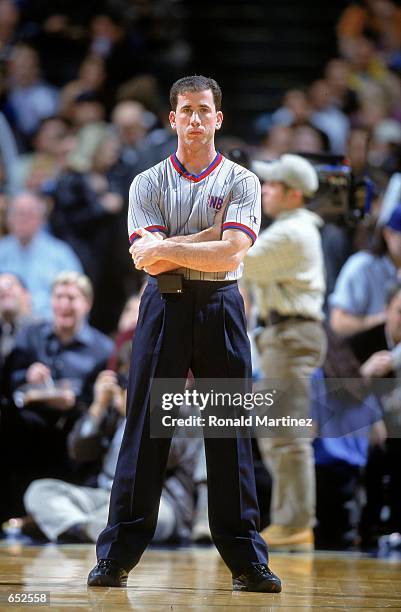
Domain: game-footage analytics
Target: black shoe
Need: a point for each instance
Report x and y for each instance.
(107, 573)
(258, 578)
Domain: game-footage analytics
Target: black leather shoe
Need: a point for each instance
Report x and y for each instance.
(258, 578)
(107, 573)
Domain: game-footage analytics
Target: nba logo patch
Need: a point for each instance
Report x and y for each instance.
(215, 202)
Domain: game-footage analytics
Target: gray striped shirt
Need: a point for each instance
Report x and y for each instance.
(168, 199)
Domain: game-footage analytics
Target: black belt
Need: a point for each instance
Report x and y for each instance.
(176, 283)
(274, 317)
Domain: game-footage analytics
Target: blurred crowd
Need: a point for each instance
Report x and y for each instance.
(83, 110)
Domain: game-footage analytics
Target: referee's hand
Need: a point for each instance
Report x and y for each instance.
(142, 250)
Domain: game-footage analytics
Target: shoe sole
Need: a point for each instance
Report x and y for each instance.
(273, 587)
(101, 582)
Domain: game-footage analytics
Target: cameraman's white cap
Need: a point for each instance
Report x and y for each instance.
(292, 170)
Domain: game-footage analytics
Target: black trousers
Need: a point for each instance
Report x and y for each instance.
(202, 329)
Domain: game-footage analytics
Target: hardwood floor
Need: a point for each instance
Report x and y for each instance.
(196, 578)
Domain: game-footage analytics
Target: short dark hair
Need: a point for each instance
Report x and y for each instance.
(393, 290)
(196, 82)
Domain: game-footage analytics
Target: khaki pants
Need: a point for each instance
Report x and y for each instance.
(290, 351)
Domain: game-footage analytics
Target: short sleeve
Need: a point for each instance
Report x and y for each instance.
(351, 291)
(244, 210)
(143, 209)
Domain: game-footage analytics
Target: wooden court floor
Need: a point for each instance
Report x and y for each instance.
(195, 578)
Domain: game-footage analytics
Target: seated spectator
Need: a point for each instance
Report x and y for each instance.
(86, 108)
(31, 253)
(307, 138)
(8, 157)
(33, 169)
(91, 78)
(129, 315)
(129, 121)
(90, 204)
(9, 17)
(15, 310)
(385, 146)
(337, 76)
(367, 68)
(327, 117)
(51, 372)
(29, 99)
(373, 350)
(68, 513)
(345, 415)
(276, 142)
(112, 40)
(358, 300)
(381, 19)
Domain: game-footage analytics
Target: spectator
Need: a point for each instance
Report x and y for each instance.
(4, 206)
(337, 77)
(33, 169)
(8, 156)
(90, 214)
(345, 415)
(367, 69)
(51, 372)
(328, 117)
(29, 99)
(307, 138)
(112, 40)
(358, 300)
(129, 315)
(129, 119)
(295, 110)
(33, 254)
(373, 350)
(69, 513)
(80, 513)
(91, 78)
(15, 310)
(381, 19)
(276, 142)
(9, 16)
(385, 147)
(87, 108)
(80, 207)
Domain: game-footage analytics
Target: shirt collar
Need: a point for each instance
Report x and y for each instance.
(83, 335)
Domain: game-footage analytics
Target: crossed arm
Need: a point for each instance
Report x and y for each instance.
(206, 251)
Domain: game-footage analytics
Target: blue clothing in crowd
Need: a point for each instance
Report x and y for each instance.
(37, 264)
(343, 423)
(79, 361)
(361, 285)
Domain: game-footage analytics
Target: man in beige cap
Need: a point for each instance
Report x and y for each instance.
(285, 268)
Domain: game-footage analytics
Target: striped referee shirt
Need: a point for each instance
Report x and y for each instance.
(168, 199)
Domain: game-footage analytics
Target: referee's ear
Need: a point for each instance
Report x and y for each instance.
(172, 119)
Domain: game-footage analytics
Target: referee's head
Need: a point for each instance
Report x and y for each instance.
(194, 83)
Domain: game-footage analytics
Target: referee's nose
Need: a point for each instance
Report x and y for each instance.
(195, 119)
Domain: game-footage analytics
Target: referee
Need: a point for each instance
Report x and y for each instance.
(191, 317)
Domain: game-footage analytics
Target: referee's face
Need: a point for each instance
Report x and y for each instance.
(196, 118)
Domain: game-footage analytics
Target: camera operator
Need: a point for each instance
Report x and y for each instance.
(286, 267)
